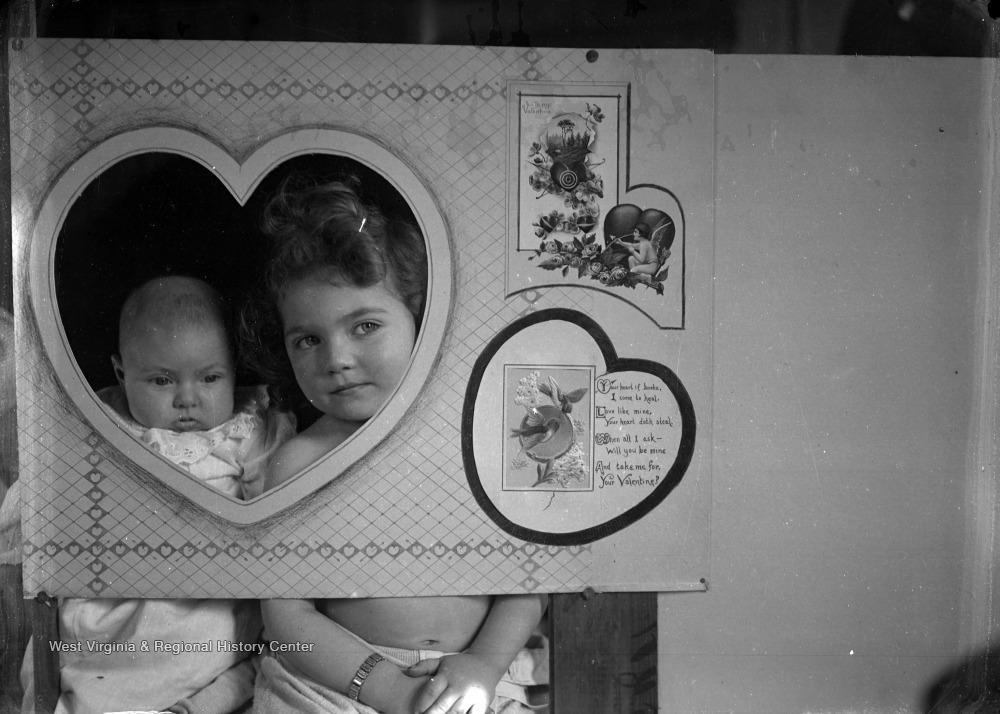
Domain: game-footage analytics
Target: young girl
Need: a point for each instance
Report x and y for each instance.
(344, 295)
(176, 393)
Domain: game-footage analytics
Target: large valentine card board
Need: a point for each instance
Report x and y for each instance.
(553, 427)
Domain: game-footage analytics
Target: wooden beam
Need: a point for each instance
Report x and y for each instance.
(45, 629)
(604, 653)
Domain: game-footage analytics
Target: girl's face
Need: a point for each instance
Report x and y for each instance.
(349, 346)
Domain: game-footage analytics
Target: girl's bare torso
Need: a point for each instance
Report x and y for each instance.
(444, 623)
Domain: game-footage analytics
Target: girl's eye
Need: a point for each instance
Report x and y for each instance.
(366, 328)
(212, 378)
(307, 341)
(161, 381)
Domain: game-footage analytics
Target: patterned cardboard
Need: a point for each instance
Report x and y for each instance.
(415, 503)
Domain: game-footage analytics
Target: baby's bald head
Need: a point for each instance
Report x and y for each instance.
(169, 303)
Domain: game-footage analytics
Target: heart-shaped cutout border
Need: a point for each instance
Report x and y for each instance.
(240, 178)
(613, 363)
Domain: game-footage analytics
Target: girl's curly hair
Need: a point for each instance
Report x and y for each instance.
(323, 230)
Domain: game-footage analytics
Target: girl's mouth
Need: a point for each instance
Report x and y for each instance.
(348, 389)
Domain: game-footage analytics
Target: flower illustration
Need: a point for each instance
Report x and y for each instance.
(527, 394)
(618, 262)
(570, 467)
(596, 115)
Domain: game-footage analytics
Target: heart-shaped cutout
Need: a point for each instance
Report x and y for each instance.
(563, 441)
(239, 180)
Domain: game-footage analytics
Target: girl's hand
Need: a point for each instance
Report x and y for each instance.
(462, 684)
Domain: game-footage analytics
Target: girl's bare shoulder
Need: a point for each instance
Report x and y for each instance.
(301, 451)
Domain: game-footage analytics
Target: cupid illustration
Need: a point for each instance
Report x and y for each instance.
(636, 248)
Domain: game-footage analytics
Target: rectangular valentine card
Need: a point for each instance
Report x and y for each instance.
(548, 422)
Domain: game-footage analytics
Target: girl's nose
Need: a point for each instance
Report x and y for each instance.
(339, 356)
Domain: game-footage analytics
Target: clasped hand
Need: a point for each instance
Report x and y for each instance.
(460, 684)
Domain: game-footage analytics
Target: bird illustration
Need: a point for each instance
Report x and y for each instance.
(564, 400)
(536, 430)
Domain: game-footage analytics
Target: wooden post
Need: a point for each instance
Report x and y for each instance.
(45, 629)
(604, 653)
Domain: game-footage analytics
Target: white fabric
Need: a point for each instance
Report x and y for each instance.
(144, 673)
(232, 457)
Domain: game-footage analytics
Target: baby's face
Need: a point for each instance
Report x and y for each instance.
(349, 346)
(178, 377)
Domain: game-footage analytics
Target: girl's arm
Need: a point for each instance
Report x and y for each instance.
(470, 678)
(336, 655)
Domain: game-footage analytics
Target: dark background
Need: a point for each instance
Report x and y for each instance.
(157, 214)
(886, 27)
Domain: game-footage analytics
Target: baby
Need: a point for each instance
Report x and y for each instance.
(343, 298)
(176, 387)
(177, 394)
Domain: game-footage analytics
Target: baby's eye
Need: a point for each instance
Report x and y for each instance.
(212, 378)
(161, 380)
(367, 327)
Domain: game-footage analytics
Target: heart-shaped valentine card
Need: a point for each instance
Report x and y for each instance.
(563, 441)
